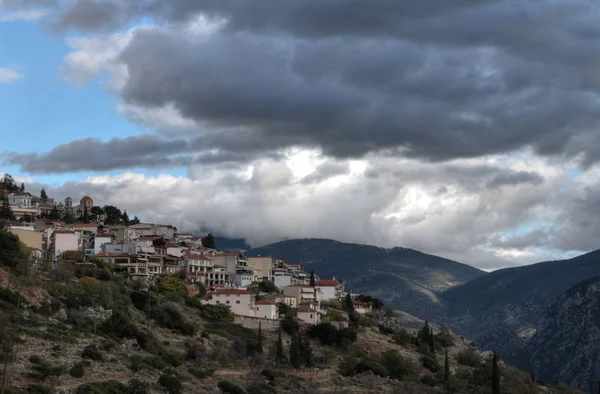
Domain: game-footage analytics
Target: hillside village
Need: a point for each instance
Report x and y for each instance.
(94, 302)
(253, 287)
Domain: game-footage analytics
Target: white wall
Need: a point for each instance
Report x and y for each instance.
(65, 242)
(240, 304)
(282, 281)
(98, 242)
(325, 293)
(266, 311)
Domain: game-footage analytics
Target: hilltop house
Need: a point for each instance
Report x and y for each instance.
(240, 301)
(266, 309)
(329, 289)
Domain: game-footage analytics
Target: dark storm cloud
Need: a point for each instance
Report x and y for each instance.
(430, 79)
(91, 15)
(92, 154)
(515, 178)
(327, 170)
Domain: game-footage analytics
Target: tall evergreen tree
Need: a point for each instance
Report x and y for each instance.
(349, 304)
(43, 195)
(5, 210)
(495, 375)
(279, 356)
(295, 353)
(446, 368)
(424, 333)
(54, 214)
(533, 377)
(86, 216)
(306, 351)
(209, 241)
(125, 218)
(259, 342)
(22, 188)
(134, 221)
(312, 278)
(431, 340)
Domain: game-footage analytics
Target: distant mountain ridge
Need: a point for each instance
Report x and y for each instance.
(503, 309)
(405, 278)
(566, 346)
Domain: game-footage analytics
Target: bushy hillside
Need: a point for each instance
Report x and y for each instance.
(90, 331)
(406, 279)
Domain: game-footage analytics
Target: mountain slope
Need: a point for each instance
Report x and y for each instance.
(566, 347)
(404, 278)
(502, 309)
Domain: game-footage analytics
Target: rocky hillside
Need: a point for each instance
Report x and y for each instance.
(405, 278)
(502, 310)
(566, 346)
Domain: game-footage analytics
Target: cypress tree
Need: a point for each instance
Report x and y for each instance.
(431, 341)
(424, 333)
(349, 303)
(295, 354)
(259, 342)
(446, 368)
(85, 217)
(43, 195)
(306, 351)
(312, 278)
(279, 356)
(22, 188)
(495, 375)
(532, 376)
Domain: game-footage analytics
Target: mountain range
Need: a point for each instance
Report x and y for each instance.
(508, 310)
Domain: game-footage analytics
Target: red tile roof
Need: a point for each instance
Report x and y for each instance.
(327, 282)
(265, 302)
(63, 232)
(86, 225)
(232, 291)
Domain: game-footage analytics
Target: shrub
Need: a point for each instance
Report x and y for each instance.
(172, 284)
(398, 367)
(170, 383)
(373, 366)
(290, 325)
(272, 374)
(347, 366)
(91, 352)
(43, 370)
(430, 362)
(469, 357)
(444, 338)
(402, 337)
(228, 387)
(77, 370)
(261, 388)
(136, 363)
(120, 325)
(201, 372)
(35, 359)
(108, 387)
(136, 386)
(217, 312)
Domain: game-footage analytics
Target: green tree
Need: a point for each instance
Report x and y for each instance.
(446, 368)
(349, 304)
(279, 356)
(209, 241)
(22, 188)
(306, 351)
(295, 353)
(95, 213)
(85, 217)
(5, 210)
(135, 220)
(69, 217)
(431, 340)
(495, 375)
(11, 249)
(8, 183)
(54, 214)
(259, 344)
(125, 218)
(43, 195)
(424, 333)
(312, 278)
(172, 284)
(113, 215)
(27, 218)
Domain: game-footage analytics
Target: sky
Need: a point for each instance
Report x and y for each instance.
(461, 128)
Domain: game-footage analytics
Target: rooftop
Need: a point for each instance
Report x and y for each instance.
(232, 291)
(327, 282)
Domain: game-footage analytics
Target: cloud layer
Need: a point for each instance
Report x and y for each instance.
(450, 126)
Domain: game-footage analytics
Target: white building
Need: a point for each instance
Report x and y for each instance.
(63, 241)
(300, 292)
(309, 314)
(244, 278)
(281, 280)
(20, 199)
(266, 309)
(101, 240)
(198, 266)
(329, 289)
(240, 301)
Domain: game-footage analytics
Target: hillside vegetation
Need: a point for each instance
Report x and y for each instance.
(87, 331)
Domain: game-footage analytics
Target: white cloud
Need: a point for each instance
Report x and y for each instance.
(10, 74)
(444, 209)
(32, 14)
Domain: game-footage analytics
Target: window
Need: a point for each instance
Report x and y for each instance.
(227, 302)
(311, 315)
(237, 302)
(218, 302)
